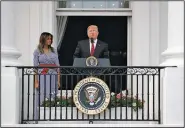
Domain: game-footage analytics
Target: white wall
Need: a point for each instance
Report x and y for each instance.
(22, 30)
(140, 33)
(163, 26)
(32, 18)
(149, 32)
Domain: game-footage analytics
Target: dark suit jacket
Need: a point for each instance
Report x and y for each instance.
(83, 49)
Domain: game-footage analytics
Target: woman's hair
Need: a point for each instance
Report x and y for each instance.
(42, 41)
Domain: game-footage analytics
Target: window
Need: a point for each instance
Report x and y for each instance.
(93, 4)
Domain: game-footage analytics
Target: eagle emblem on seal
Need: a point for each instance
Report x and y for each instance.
(91, 94)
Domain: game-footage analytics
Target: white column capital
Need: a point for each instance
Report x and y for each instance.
(173, 55)
(10, 57)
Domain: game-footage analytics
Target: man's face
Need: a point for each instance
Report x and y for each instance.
(92, 32)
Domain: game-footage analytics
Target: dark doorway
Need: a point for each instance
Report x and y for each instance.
(112, 30)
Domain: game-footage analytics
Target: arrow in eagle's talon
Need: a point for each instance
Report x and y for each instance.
(98, 100)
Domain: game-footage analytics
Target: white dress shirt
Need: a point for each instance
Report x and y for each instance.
(95, 42)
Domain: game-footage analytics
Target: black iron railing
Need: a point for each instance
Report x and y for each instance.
(135, 93)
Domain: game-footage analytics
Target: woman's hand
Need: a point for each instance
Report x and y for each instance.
(58, 85)
(36, 84)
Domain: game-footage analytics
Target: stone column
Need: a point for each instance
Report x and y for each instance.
(173, 55)
(9, 55)
(172, 86)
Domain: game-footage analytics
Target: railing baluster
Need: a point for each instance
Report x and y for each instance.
(137, 94)
(126, 104)
(115, 76)
(50, 97)
(39, 96)
(83, 113)
(98, 113)
(78, 79)
(159, 96)
(66, 94)
(121, 96)
(105, 109)
(131, 97)
(44, 96)
(153, 97)
(33, 96)
(56, 88)
(142, 97)
(28, 107)
(110, 100)
(22, 119)
(148, 96)
(71, 96)
(61, 83)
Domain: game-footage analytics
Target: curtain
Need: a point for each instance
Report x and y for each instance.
(61, 27)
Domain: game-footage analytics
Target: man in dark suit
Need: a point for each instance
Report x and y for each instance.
(91, 46)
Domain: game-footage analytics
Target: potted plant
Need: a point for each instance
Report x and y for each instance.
(118, 102)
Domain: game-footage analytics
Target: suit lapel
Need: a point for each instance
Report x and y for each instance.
(87, 47)
(97, 49)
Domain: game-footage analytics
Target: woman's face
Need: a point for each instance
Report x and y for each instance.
(48, 40)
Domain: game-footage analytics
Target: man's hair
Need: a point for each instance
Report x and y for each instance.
(92, 26)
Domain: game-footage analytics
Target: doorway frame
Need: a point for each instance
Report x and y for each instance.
(102, 12)
(109, 13)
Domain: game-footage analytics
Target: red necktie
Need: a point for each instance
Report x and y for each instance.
(92, 49)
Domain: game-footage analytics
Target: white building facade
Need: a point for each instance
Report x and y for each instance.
(155, 38)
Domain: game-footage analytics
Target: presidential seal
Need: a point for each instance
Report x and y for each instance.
(91, 61)
(91, 95)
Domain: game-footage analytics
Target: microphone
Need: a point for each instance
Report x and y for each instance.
(92, 41)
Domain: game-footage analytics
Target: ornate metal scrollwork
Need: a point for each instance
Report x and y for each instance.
(97, 71)
(29, 71)
(109, 71)
(143, 71)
